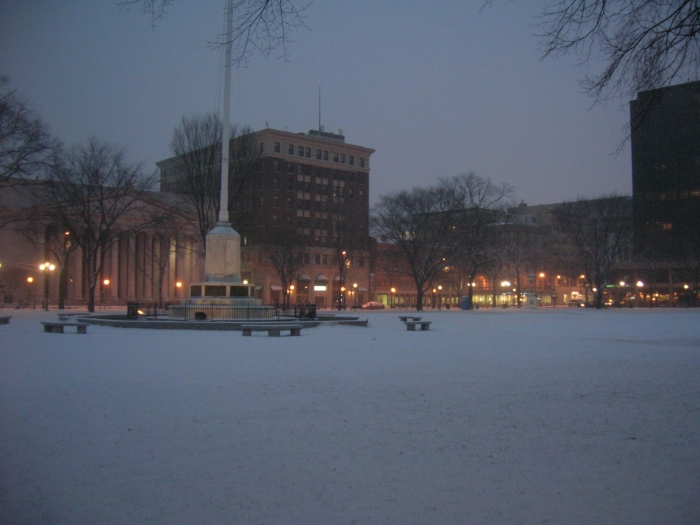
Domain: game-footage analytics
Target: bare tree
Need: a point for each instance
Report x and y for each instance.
(686, 257)
(520, 254)
(26, 146)
(601, 233)
(419, 226)
(646, 44)
(92, 194)
(42, 228)
(264, 26)
(285, 252)
(481, 224)
(196, 143)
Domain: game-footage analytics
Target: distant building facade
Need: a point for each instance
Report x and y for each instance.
(665, 134)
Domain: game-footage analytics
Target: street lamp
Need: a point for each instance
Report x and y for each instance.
(178, 286)
(105, 294)
(439, 297)
(46, 268)
(391, 303)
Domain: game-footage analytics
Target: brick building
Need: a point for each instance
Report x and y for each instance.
(314, 186)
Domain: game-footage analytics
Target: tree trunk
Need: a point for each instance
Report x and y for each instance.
(62, 285)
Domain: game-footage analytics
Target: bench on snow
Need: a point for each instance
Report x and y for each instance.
(56, 327)
(272, 329)
(411, 325)
(405, 318)
(5, 319)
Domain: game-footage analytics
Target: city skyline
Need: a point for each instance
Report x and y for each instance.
(436, 90)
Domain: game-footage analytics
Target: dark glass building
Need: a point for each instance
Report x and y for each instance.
(665, 131)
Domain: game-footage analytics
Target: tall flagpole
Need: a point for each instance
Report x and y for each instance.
(225, 136)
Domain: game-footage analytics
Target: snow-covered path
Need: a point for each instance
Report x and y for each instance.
(560, 416)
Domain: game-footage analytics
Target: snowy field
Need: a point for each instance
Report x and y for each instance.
(567, 416)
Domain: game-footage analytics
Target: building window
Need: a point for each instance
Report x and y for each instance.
(308, 152)
(317, 258)
(290, 203)
(290, 167)
(290, 150)
(262, 201)
(276, 183)
(276, 201)
(362, 162)
(351, 160)
(262, 147)
(276, 220)
(301, 151)
(318, 154)
(342, 158)
(276, 165)
(335, 157)
(278, 147)
(325, 155)
(289, 219)
(290, 184)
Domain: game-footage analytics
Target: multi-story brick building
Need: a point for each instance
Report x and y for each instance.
(314, 186)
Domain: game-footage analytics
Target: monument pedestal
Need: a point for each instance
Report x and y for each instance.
(222, 286)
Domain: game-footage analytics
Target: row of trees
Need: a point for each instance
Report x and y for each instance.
(464, 222)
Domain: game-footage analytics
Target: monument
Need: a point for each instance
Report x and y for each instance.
(222, 290)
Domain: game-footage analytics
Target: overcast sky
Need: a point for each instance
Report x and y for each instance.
(437, 88)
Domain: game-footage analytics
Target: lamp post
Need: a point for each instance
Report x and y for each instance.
(30, 282)
(105, 287)
(343, 267)
(391, 298)
(440, 297)
(178, 286)
(46, 268)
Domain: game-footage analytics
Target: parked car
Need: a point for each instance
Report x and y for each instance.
(373, 305)
(576, 304)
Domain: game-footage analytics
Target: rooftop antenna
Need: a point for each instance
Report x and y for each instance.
(320, 128)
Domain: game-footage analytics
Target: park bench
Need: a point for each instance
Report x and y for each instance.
(272, 329)
(405, 318)
(58, 326)
(411, 325)
(5, 319)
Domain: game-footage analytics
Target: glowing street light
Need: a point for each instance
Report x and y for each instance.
(46, 268)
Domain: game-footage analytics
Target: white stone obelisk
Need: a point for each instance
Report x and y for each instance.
(223, 251)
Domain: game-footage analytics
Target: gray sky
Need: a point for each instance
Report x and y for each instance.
(437, 88)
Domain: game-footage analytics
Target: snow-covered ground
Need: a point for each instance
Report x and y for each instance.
(567, 416)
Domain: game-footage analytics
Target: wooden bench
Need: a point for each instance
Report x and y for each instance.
(57, 327)
(405, 318)
(272, 329)
(411, 325)
(5, 319)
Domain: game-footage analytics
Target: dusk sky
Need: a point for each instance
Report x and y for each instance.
(437, 88)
